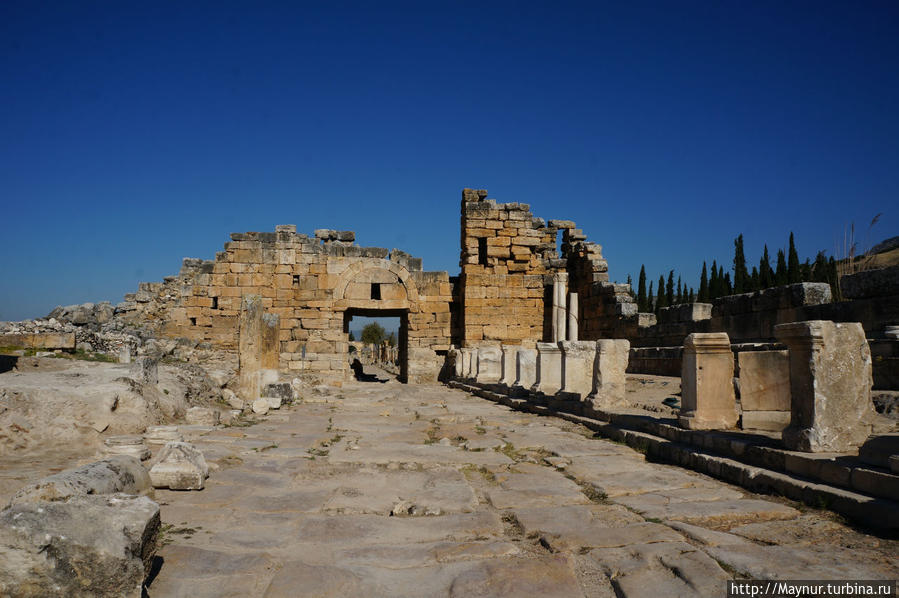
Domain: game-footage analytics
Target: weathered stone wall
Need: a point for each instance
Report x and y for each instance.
(312, 284)
(507, 260)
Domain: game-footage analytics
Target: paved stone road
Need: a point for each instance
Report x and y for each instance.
(394, 490)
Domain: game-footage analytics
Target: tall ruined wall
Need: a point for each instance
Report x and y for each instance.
(507, 260)
(311, 283)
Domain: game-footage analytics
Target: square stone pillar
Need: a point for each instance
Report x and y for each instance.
(526, 368)
(578, 358)
(455, 356)
(271, 349)
(549, 369)
(489, 364)
(572, 316)
(249, 347)
(830, 386)
(473, 366)
(707, 383)
(609, 373)
(465, 358)
(509, 364)
(765, 390)
(560, 289)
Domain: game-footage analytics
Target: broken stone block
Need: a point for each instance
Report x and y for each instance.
(260, 406)
(119, 473)
(526, 367)
(707, 387)
(145, 369)
(489, 364)
(549, 368)
(281, 390)
(577, 367)
(830, 384)
(180, 466)
(765, 389)
(273, 402)
(91, 545)
(127, 445)
(202, 416)
(162, 434)
(609, 377)
(232, 399)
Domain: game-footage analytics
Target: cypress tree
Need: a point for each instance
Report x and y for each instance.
(833, 277)
(794, 274)
(714, 286)
(819, 268)
(741, 276)
(805, 271)
(766, 274)
(630, 287)
(704, 285)
(641, 289)
(692, 296)
(727, 287)
(669, 289)
(680, 291)
(780, 275)
(661, 299)
(650, 299)
(754, 280)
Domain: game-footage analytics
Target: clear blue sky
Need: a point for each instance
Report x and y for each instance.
(135, 134)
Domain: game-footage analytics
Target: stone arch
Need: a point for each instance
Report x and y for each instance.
(398, 290)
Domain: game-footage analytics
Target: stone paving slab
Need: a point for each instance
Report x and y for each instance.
(374, 494)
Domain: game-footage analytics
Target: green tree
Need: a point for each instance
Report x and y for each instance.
(726, 287)
(630, 287)
(692, 298)
(391, 339)
(641, 290)
(766, 273)
(661, 299)
(650, 300)
(704, 285)
(780, 274)
(352, 336)
(680, 291)
(741, 276)
(794, 273)
(669, 288)
(754, 280)
(373, 333)
(714, 283)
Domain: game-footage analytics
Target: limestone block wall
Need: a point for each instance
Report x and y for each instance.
(312, 284)
(507, 260)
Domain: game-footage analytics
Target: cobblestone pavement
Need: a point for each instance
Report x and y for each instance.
(383, 489)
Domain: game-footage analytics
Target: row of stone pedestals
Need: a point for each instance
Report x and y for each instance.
(817, 393)
(577, 370)
(819, 390)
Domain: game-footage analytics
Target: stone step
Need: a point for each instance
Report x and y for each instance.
(864, 502)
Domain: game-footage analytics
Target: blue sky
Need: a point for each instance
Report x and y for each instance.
(133, 135)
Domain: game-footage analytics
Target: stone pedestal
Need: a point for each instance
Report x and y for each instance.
(830, 384)
(609, 373)
(577, 367)
(465, 357)
(765, 390)
(707, 387)
(525, 368)
(509, 364)
(489, 364)
(549, 369)
(249, 351)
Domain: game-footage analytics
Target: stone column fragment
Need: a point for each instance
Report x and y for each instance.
(270, 348)
(249, 352)
(549, 368)
(830, 385)
(560, 288)
(525, 368)
(578, 358)
(572, 316)
(609, 373)
(465, 356)
(489, 364)
(509, 372)
(707, 387)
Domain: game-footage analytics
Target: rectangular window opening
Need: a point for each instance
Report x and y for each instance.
(296, 280)
(193, 321)
(215, 303)
(376, 291)
(482, 251)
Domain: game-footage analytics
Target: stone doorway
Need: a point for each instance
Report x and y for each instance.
(402, 344)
